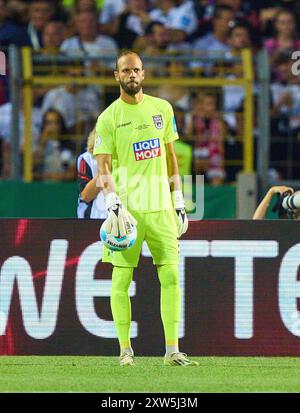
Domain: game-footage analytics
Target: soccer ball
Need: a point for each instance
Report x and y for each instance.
(117, 243)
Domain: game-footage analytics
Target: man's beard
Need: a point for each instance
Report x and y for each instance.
(131, 89)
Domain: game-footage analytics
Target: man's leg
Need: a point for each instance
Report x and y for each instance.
(121, 308)
(170, 304)
(161, 237)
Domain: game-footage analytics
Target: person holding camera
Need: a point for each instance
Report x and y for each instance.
(287, 205)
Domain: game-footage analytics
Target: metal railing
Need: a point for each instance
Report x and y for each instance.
(104, 77)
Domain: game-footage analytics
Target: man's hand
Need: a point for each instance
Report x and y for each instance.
(280, 190)
(182, 221)
(119, 220)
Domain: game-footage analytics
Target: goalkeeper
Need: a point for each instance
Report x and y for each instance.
(136, 134)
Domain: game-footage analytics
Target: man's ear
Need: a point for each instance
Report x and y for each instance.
(116, 73)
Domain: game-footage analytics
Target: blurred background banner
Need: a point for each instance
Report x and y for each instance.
(238, 279)
(59, 200)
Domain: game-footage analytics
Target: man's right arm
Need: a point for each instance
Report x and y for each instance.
(105, 178)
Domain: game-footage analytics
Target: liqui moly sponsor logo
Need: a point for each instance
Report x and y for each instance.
(146, 149)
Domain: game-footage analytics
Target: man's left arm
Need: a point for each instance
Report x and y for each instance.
(175, 187)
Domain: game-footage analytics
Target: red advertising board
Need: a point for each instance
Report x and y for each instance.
(239, 282)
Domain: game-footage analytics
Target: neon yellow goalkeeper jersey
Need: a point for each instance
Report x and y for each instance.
(135, 136)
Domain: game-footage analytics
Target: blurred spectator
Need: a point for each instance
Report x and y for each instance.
(78, 105)
(85, 5)
(286, 37)
(10, 32)
(88, 41)
(178, 96)
(157, 41)
(110, 11)
(268, 10)
(217, 39)
(6, 129)
(206, 126)
(239, 38)
(40, 13)
(130, 24)
(54, 157)
(70, 4)
(52, 37)
(178, 16)
(244, 10)
(285, 94)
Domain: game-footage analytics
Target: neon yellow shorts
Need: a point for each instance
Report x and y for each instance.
(159, 230)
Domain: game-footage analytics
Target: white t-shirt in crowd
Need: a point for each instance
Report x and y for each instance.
(5, 123)
(75, 108)
(101, 46)
(110, 10)
(182, 17)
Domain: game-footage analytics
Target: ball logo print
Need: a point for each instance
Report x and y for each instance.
(118, 243)
(2, 64)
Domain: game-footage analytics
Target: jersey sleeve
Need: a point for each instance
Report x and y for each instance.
(104, 142)
(84, 174)
(171, 128)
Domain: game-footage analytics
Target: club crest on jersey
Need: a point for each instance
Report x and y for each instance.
(146, 149)
(158, 121)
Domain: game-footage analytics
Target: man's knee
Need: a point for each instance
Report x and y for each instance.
(121, 278)
(168, 275)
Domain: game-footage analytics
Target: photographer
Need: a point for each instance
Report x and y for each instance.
(287, 206)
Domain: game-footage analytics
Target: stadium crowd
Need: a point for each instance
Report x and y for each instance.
(210, 121)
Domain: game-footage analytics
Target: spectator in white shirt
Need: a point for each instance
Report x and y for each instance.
(89, 42)
(6, 130)
(110, 10)
(178, 16)
(130, 24)
(40, 13)
(78, 106)
(217, 39)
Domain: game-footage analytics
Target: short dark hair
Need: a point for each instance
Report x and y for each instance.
(220, 9)
(240, 24)
(125, 53)
(149, 27)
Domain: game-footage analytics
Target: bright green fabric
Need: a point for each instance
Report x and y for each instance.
(170, 300)
(71, 3)
(159, 230)
(120, 303)
(136, 135)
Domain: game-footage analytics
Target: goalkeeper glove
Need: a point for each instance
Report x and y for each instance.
(182, 221)
(119, 220)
